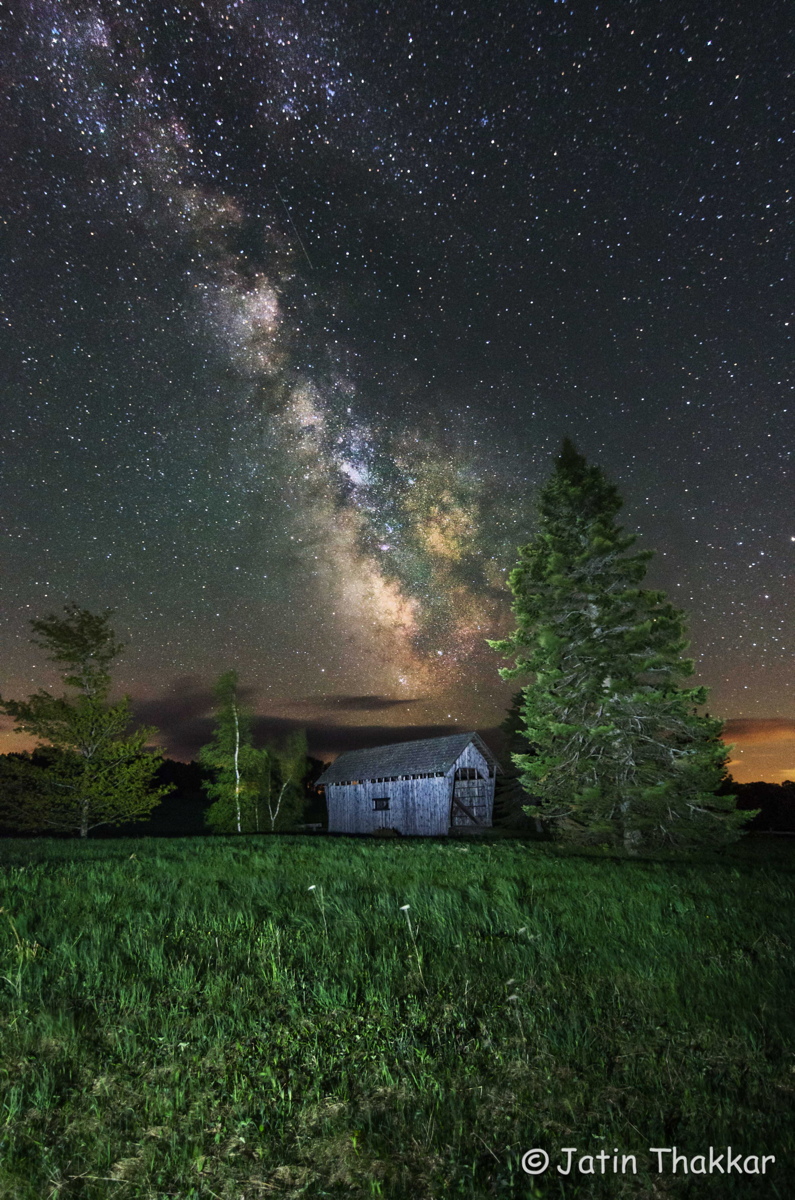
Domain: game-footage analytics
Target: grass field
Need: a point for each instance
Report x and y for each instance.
(186, 1018)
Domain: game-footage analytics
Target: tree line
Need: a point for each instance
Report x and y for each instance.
(90, 770)
(609, 746)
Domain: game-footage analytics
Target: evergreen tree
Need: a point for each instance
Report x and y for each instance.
(95, 772)
(620, 754)
(513, 805)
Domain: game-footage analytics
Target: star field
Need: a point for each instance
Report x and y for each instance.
(299, 300)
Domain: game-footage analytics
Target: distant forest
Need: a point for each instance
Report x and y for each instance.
(181, 814)
(776, 802)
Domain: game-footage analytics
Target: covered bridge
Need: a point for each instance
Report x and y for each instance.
(428, 787)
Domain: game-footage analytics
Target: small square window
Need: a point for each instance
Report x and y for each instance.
(380, 803)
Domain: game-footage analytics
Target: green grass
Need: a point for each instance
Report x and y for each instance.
(185, 1018)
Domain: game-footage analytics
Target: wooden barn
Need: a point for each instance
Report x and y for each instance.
(429, 787)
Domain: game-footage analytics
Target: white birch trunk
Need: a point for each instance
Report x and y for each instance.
(275, 813)
(237, 765)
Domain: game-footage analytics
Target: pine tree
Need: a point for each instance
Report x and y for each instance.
(620, 754)
(513, 805)
(95, 772)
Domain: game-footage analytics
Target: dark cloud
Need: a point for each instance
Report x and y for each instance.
(183, 717)
(352, 703)
(756, 730)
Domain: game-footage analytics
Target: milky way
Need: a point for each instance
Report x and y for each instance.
(300, 299)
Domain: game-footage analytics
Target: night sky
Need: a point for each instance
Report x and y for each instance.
(300, 299)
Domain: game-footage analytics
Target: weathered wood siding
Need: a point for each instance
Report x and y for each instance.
(418, 807)
(472, 757)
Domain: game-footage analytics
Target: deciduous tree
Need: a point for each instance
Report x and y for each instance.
(254, 789)
(284, 798)
(234, 762)
(97, 772)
